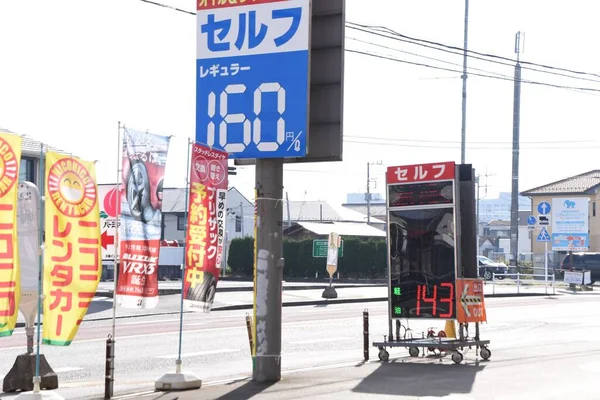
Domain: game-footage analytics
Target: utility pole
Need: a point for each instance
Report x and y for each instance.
(268, 270)
(287, 202)
(514, 207)
(478, 181)
(463, 145)
(242, 217)
(368, 194)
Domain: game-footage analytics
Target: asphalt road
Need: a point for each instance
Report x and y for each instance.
(525, 332)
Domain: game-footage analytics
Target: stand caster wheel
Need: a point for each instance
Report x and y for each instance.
(485, 353)
(413, 351)
(457, 357)
(384, 355)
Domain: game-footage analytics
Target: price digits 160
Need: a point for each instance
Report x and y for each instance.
(250, 131)
(433, 300)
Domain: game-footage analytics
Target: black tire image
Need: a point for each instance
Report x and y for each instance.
(204, 292)
(138, 193)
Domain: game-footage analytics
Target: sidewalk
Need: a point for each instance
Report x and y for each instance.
(105, 289)
(397, 379)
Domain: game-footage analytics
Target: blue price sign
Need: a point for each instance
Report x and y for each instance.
(252, 78)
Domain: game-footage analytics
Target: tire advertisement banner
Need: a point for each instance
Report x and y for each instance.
(10, 157)
(72, 257)
(144, 161)
(205, 226)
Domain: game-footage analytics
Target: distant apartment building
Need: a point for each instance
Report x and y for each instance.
(498, 209)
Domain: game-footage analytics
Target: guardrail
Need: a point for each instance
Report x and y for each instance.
(526, 278)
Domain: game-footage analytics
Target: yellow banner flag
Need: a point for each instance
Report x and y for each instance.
(72, 259)
(10, 286)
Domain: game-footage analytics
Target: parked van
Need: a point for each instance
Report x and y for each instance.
(583, 261)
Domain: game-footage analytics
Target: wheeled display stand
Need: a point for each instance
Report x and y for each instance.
(432, 261)
(437, 345)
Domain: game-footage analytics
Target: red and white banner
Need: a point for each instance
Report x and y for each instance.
(144, 161)
(205, 226)
(441, 171)
(108, 197)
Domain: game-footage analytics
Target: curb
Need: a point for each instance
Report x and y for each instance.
(165, 292)
(238, 307)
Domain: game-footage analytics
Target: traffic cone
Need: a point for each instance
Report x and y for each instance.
(450, 329)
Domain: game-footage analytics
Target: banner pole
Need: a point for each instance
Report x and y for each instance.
(116, 244)
(183, 264)
(37, 379)
(179, 380)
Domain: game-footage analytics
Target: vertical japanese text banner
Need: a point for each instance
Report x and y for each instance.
(206, 226)
(144, 162)
(72, 265)
(10, 287)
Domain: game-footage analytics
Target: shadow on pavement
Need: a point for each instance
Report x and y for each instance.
(419, 380)
(247, 391)
(99, 306)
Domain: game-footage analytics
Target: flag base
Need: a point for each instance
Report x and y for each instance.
(178, 381)
(20, 377)
(329, 293)
(43, 395)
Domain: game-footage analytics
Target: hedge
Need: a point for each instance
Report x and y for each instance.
(361, 259)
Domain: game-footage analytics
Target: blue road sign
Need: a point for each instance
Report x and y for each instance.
(531, 220)
(544, 208)
(543, 236)
(252, 78)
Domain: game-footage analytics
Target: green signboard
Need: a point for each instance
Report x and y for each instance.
(320, 248)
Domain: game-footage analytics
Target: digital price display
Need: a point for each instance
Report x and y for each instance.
(423, 271)
(421, 194)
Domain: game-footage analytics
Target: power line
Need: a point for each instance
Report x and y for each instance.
(585, 89)
(426, 57)
(167, 6)
(563, 148)
(458, 142)
(397, 35)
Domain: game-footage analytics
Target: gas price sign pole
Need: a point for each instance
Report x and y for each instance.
(426, 216)
(252, 75)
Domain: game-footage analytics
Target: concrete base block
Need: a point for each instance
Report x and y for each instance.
(20, 376)
(329, 293)
(178, 381)
(43, 395)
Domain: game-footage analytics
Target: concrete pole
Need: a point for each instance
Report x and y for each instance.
(368, 197)
(514, 206)
(242, 217)
(268, 270)
(463, 142)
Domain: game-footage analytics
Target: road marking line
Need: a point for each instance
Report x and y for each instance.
(176, 332)
(321, 340)
(200, 353)
(67, 369)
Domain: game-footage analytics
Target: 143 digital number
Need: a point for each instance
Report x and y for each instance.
(433, 300)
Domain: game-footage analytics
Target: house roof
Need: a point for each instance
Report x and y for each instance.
(586, 183)
(29, 146)
(482, 241)
(342, 228)
(323, 211)
(376, 209)
(174, 199)
(174, 202)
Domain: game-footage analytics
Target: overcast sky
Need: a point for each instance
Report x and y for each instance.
(71, 69)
